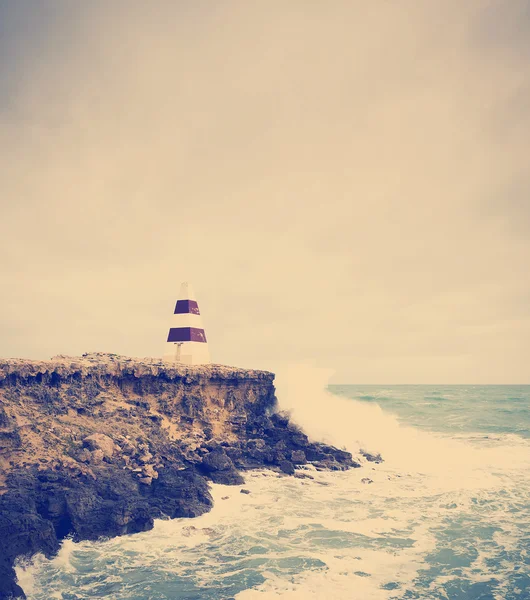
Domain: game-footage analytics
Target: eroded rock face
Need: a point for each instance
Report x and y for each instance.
(102, 445)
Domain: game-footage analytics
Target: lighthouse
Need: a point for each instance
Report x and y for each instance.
(186, 341)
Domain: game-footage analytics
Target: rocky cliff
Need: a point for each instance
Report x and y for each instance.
(103, 444)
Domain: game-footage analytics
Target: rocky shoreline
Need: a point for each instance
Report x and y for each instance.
(101, 445)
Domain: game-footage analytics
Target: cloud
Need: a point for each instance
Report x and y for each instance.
(343, 183)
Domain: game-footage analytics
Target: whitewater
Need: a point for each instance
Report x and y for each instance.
(445, 516)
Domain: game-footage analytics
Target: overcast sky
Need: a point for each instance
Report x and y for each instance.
(346, 182)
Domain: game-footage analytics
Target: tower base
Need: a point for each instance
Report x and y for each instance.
(187, 353)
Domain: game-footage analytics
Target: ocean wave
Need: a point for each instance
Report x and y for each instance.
(445, 516)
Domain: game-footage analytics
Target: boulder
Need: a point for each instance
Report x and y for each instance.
(232, 477)
(217, 460)
(220, 468)
(298, 457)
(97, 456)
(180, 493)
(100, 441)
(287, 466)
(315, 453)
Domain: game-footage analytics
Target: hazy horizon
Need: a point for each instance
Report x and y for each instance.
(343, 184)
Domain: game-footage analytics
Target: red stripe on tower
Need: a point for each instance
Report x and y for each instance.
(187, 306)
(186, 334)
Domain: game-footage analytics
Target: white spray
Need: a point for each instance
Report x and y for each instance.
(354, 425)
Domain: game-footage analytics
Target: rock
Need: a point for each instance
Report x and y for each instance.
(180, 493)
(261, 456)
(9, 441)
(329, 464)
(279, 456)
(375, 458)
(299, 475)
(231, 477)
(287, 467)
(315, 453)
(243, 491)
(300, 439)
(97, 456)
(84, 455)
(366, 480)
(235, 454)
(145, 458)
(225, 497)
(4, 419)
(99, 441)
(258, 443)
(149, 471)
(217, 460)
(298, 457)
(127, 447)
(220, 468)
(146, 480)
(280, 419)
(341, 456)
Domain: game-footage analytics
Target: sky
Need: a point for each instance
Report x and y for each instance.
(345, 183)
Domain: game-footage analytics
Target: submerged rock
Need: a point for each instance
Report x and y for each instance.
(375, 458)
(300, 475)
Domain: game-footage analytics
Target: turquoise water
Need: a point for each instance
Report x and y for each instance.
(446, 516)
(451, 409)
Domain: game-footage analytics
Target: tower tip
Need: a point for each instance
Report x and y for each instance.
(186, 291)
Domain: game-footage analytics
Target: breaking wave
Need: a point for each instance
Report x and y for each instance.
(445, 516)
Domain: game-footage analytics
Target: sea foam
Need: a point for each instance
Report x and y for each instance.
(445, 516)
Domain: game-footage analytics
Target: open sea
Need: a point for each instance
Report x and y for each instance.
(446, 516)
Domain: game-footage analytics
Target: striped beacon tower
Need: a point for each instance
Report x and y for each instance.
(186, 342)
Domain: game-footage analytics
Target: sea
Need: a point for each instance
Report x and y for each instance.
(445, 516)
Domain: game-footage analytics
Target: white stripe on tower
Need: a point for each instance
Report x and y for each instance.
(186, 341)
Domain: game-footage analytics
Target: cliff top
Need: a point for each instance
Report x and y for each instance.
(101, 363)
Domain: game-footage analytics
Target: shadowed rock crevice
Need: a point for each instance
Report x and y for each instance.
(102, 445)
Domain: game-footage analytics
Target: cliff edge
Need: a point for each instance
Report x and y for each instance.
(101, 445)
